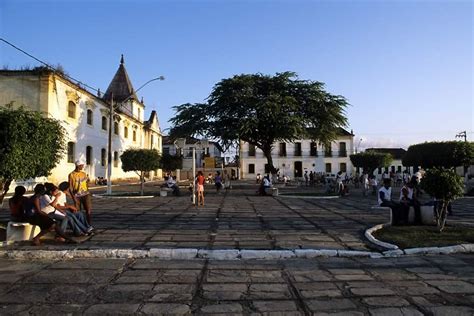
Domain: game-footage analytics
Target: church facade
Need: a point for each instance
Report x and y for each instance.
(85, 117)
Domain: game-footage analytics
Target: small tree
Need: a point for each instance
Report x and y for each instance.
(31, 145)
(140, 161)
(445, 185)
(440, 154)
(369, 161)
(170, 162)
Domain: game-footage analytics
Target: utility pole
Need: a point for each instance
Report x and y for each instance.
(109, 147)
(462, 134)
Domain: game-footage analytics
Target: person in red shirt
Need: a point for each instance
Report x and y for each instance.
(200, 187)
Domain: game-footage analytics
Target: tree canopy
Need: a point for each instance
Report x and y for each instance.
(262, 109)
(171, 162)
(440, 154)
(140, 161)
(31, 145)
(370, 160)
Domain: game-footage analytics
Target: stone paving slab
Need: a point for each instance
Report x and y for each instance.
(320, 286)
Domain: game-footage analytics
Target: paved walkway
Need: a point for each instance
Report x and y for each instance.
(408, 285)
(430, 285)
(236, 220)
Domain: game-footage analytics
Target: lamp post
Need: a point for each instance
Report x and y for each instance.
(360, 140)
(111, 117)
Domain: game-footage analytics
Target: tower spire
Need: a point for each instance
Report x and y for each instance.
(121, 60)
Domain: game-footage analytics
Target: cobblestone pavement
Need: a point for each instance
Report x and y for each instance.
(428, 285)
(236, 220)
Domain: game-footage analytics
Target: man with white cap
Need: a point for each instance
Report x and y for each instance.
(78, 187)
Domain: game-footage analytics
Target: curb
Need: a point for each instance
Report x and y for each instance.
(324, 197)
(104, 196)
(395, 251)
(224, 254)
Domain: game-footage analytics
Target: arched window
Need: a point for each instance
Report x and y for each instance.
(103, 157)
(125, 132)
(89, 117)
(104, 123)
(139, 113)
(116, 158)
(71, 109)
(116, 128)
(88, 155)
(151, 142)
(71, 148)
(134, 136)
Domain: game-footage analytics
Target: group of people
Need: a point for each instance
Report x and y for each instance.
(218, 180)
(49, 208)
(408, 198)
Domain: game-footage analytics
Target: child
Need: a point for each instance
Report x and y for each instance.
(38, 217)
(200, 187)
(48, 204)
(218, 182)
(17, 205)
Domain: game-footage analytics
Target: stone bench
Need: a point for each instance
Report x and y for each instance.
(271, 191)
(427, 214)
(164, 191)
(19, 231)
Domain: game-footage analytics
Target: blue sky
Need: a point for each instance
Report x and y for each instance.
(406, 67)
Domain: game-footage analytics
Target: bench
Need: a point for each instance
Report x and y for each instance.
(19, 231)
(271, 191)
(427, 214)
(164, 191)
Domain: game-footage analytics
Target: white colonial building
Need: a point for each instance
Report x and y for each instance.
(208, 155)
(85, 117)
(293, 159)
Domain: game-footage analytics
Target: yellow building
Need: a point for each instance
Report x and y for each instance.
(85, 116)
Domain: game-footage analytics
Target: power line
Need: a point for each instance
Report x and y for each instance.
(48, 65)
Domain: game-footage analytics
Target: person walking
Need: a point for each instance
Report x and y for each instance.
(79, 189)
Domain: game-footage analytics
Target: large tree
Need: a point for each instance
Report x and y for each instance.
(31, 145)
(140, 161)
(261, 110)
(370, 160)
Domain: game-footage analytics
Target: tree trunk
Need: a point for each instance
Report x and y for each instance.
(4, 187)
(142, 183)
(443, 214)
(268, 154)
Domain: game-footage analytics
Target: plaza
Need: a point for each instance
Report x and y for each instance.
(242, 221)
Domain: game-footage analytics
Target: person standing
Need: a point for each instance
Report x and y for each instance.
(227, 184)
(200, 188)
(218, 182)
(79, 189)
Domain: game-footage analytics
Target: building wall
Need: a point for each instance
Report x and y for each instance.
(52, 95)
(286, 164)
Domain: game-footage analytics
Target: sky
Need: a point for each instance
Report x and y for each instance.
(405, 67)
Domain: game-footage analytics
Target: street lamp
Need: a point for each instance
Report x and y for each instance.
(111, 117)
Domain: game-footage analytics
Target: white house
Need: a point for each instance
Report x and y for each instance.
(293, 159)
(85, 117)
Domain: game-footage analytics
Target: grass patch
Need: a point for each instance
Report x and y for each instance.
(425, 236)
